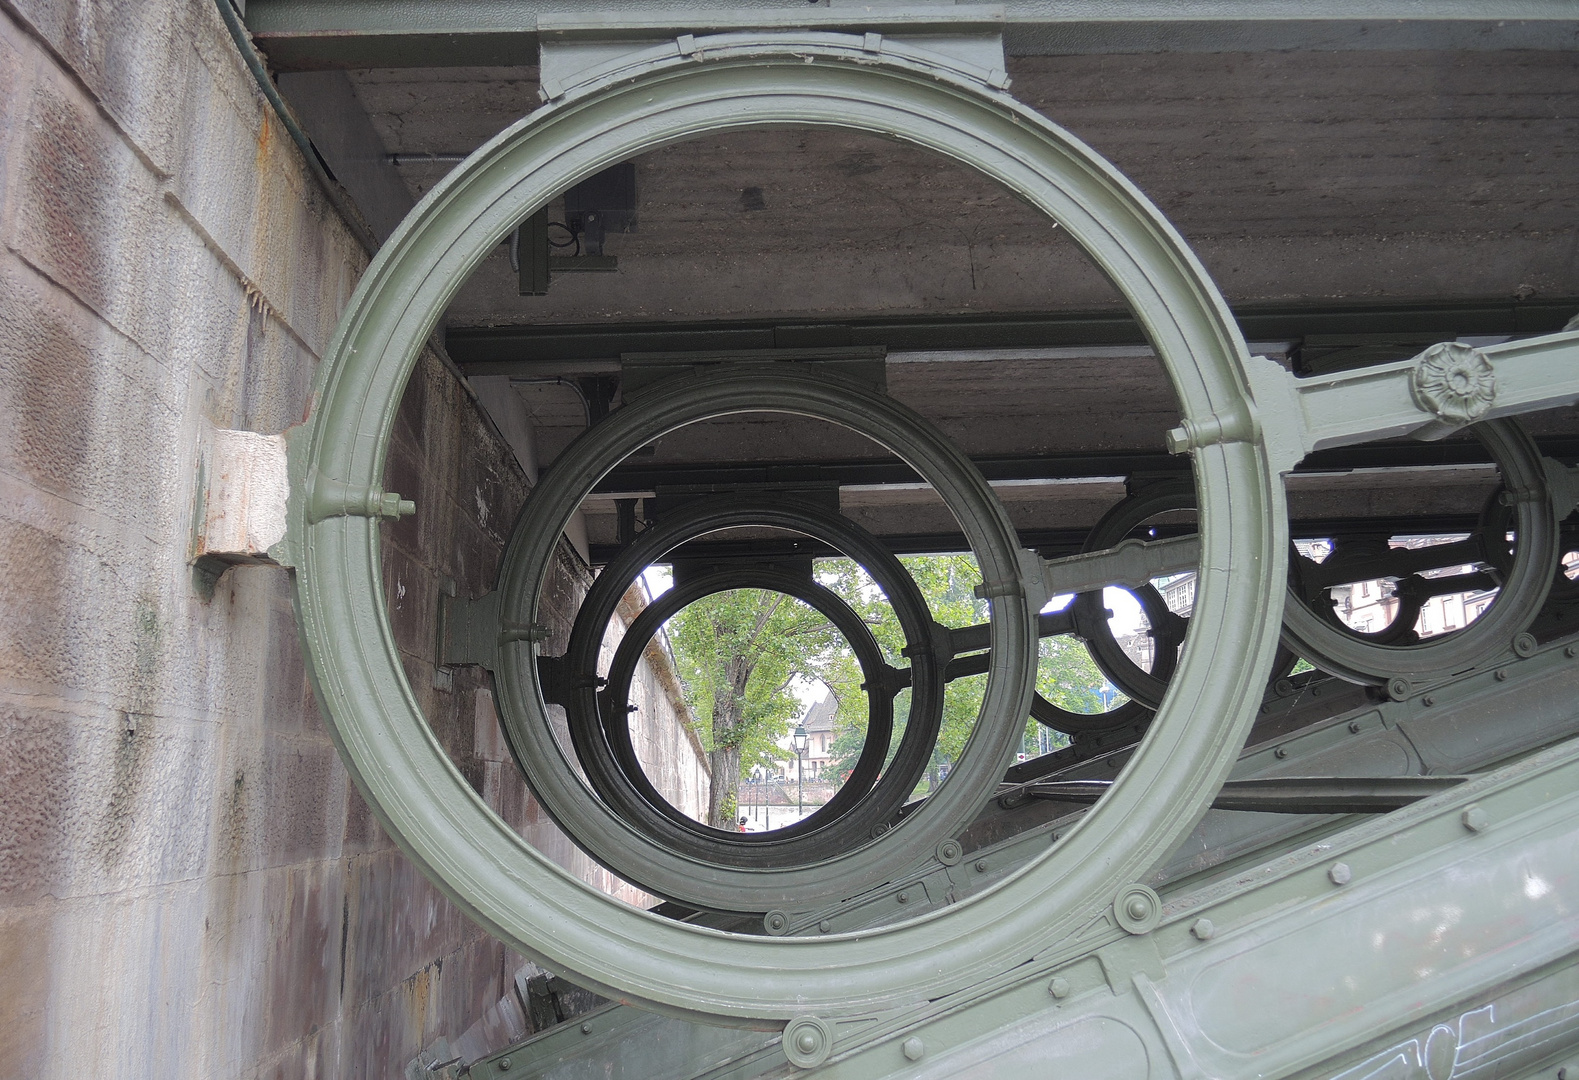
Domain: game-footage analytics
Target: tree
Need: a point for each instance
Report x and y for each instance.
(738, 653)
(742, 653)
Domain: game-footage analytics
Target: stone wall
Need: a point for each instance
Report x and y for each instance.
(189, 885)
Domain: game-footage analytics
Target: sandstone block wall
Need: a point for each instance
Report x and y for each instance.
(189, 885)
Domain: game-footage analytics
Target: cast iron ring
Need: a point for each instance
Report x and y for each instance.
(843, 822)
(1527, 578)
(598, 742)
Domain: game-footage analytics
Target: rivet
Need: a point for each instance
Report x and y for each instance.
(981, 866)
(1340, 874)
(806, 1041)
(776, 922)
(586, 1028)
(1138, 908)
(1059, 988)
(904, 897)
(1398, 688)
(914, 1048)
(1354, 727)
(825, 926)
(1280, 752)
(1501, 675)
(504, 1064)
(1525, 644)
(1204, 929)
(1475, 818)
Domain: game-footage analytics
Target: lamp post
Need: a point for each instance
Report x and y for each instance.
(798, 740)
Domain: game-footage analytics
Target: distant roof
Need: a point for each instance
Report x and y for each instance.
(820, 716)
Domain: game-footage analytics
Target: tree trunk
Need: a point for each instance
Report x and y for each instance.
(729, 704)
(723, 800)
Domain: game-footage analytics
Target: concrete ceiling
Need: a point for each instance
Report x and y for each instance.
(1300, 177)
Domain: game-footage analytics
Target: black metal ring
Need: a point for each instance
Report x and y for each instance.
(619, 787)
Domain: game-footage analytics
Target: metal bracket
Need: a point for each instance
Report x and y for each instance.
(1130, 564)
(590, 48)
(1444, 389)
(329, 498)
(469, 631)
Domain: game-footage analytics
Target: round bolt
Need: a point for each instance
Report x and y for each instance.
(1475, 818)
(914, 1048)
(1501, 675)
(880, 828)
(825, 926)
(776, 922)
(1354, 727)
(1204, 929)
(1340, 874)
(586, 1027)
(904, 896)
(504, 1064)
(1059, 988)
(1284, 687)
(807, 1042)
(949, 852)
(1525, 644)
(1398, 688)
(981, 866)
(1138, 909)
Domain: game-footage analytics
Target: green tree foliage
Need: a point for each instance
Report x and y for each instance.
(743, 653)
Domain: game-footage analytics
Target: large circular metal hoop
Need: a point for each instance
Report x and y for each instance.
(1528, 579)
(477, 859)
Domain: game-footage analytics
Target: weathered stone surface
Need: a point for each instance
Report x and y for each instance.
(189, 884)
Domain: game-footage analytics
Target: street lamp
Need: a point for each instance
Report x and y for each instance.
(798, 740)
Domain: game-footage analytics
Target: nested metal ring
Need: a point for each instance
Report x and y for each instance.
(518, 893)
(1524, 508)
(1090, 617)
(601, 829)
(598, 722)
(845, 821)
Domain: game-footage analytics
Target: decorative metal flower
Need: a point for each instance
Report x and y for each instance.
(1454, 381)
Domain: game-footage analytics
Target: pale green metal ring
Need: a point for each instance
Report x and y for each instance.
(517, 893)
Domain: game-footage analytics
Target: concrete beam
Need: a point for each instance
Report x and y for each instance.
(309, 34)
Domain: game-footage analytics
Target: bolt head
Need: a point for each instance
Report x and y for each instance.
(1475, 819)
(806, 1041)
(904, 897)
(1059, 988)
(825, 926)
(914, 1048)
(1571, 651)
(981, 866)
(1340, 874)
(1354, 727)
(1138, 908)
(586, 1028)
(1501, 675)
(1204, 929)
(1280, 752)
(504, 1064)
